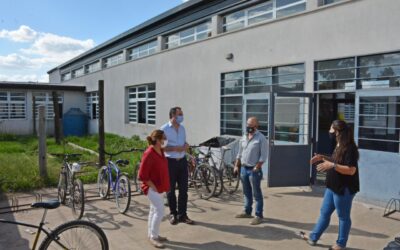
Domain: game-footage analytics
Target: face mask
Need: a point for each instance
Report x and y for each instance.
(332, 136)
(179, 119)
(250, 130)
(164, 145)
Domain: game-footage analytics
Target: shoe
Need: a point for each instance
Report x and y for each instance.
(304, 236)
(173, 220)
(162, 239)
(337, 247)
(156, 243)
(397, 239)
(244, 215)
(185, 219)
(257, 220)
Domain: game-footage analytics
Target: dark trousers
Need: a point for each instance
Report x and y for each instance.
(178, 173)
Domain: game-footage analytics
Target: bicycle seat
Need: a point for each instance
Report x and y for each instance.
(122, 162)
(46, 204)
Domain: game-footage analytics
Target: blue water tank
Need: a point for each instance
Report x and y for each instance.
(75, 123)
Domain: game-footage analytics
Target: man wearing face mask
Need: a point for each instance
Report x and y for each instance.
(253, 150)
(175, 151)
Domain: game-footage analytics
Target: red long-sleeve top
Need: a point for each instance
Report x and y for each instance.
(154, 167)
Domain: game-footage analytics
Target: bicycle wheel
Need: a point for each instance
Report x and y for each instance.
(76, 235)
(230, 179)
(205, 181)
(78, 199)
(62, 187)
(123, 194)
(103, 182)
(220, 182)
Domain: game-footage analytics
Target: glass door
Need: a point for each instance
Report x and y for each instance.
(290, 140)
(257, 106)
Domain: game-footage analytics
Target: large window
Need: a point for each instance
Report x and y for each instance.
(237, 89)
(46, 99)
(12, 105)
(266, 11)
(92, 105)
(93, 67)
(142, 104)
(78, 72)
(142, 50)
(379, 71)
(66, 76)
(113, 60)
(379, 123)
(364, 72)
(196, 33)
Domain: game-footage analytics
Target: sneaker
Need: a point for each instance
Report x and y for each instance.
(397, 239)
(185, 219)
(173, 220)
(244, 215)
(257, 220)
(156, 243)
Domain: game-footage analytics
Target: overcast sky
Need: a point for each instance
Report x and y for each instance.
(37, 35)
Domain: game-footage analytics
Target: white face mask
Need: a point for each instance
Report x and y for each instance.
(164, 145)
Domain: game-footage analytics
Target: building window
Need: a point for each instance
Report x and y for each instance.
(78, 72)
(12, 105)
(326, 2)
(142, 50)
(93, 67)
(196, 33)
(46, 99)
(114, 60)
(336, 74)
(379, 123)
(66, 76)
(364, 72)
(142, 104)
(266, 11)
(379, 71)
(92, 105)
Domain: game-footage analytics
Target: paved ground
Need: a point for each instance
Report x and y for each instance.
(287, 211)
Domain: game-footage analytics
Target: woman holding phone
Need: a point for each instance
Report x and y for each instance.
(342, 183)
(154, 175)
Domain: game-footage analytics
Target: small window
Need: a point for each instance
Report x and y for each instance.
(92, 105)
(46, 99)
(113, 60)
(142, 50)
(12, 105)
(336, 74)
(141, 106)
(327, 2)
(196, 33)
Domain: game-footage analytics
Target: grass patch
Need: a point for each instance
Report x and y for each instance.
(19, 167)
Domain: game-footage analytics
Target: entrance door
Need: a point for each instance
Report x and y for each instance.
(290, 143)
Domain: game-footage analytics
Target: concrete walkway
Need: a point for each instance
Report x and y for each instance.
(287, 211)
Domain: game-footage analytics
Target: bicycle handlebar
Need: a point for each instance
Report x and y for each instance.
(67, 155)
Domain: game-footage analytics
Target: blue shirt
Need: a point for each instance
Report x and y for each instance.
(175, 138)
(254, 150)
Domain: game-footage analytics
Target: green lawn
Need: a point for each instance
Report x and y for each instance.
(19, 170)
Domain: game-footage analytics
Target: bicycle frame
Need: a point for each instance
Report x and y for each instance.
(110, 167)
(39, 229)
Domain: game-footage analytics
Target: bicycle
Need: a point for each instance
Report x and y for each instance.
(201, 175)
(121, 187)
(227, 179)
(75, 234)
(69, 185)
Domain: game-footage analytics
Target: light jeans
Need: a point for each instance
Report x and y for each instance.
(156, 213)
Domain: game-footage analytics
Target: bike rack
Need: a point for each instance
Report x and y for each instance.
(392, 207)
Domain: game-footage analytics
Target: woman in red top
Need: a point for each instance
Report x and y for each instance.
(153, 173)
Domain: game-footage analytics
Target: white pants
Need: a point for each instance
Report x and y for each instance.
(156, 213)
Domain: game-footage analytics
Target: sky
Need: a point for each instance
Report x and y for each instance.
(38, 35)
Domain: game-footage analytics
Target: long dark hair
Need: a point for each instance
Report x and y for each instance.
(345, 139)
